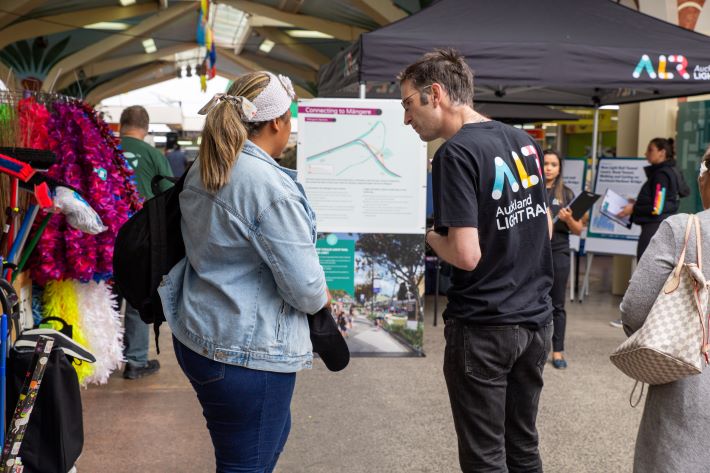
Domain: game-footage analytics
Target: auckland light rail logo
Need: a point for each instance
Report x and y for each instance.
(669, 67)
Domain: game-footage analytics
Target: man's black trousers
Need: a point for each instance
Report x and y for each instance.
(494, 378)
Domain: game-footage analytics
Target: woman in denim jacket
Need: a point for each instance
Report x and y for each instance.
(237, 303)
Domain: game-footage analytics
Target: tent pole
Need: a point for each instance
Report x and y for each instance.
(362, 90)
(595, 141)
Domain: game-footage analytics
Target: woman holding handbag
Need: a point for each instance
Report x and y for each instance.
(673, 432)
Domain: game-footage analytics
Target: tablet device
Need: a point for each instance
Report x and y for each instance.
(612, 204)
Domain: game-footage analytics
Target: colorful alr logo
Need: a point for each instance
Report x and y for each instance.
(646, 65)
(504, 173)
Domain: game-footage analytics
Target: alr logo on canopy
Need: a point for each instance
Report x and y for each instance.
(646, 65)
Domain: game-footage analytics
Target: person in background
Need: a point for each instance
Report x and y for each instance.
(658, 198)
(495, 232)
(559, 197)
(177, 159)
(675, 418)
(146, 162)
(237, 302)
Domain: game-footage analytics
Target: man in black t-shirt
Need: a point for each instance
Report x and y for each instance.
(492, 224)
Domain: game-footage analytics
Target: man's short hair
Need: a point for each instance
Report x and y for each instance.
(446, 67)
(135, 116)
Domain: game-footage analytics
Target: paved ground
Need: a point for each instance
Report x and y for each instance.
(364, 337)
(382, 415)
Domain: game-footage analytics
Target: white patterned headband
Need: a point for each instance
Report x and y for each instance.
(271, 103)
(247, 109)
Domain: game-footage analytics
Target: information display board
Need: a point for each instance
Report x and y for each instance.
(574, 173)
(625, 176)
(363, 169)
(364, 173)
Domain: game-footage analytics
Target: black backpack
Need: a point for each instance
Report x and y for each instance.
(147, 247)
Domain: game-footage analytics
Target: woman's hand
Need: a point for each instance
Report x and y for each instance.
(327, 303)
(575, 226)
(627, 210)
(565, 214)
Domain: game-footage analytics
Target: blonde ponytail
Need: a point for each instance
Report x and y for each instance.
(225, 132)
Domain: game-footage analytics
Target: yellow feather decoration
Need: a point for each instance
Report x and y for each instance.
(60, 300)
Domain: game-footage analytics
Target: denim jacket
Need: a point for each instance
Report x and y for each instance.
(251, 272)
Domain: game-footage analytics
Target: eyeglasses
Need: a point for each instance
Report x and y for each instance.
(406, 99)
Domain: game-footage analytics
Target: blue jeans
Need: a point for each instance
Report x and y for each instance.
(135, 337)
(248, 412)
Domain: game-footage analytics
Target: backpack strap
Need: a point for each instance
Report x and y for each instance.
(155, 182)
(158, 227)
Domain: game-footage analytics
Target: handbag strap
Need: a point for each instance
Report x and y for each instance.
(675, 281)
(631, 396)
(698, 242)
(704, 318)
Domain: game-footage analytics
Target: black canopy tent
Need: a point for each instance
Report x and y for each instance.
(516, 114)
(552, 52)
(504, 112)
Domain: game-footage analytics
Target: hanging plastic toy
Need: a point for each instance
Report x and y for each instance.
(77, 211)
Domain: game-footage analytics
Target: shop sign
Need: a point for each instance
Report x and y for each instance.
(537, 134)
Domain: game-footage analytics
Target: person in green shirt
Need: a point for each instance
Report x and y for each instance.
(146, 162)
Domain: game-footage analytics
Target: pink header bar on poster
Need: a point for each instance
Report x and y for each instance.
(320, 119)
(339, 110)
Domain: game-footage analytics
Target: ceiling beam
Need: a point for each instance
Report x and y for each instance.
(13, 10)
(383, 12)
(110, 65)
(8, 77)
(275, 65)
(70, 21)
(256, 62)
(304, 53)
(96, 50)
(300, 91)
(338, 30)
(131, 80)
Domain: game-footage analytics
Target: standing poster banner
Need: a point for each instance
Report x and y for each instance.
(363, 170)
(624, 176)
(365, 175)
(574, 173)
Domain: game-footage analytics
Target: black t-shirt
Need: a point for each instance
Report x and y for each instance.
(560, 239)
(489, 176)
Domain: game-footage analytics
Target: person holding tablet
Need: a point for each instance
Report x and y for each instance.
(559, 197)
(659, 197)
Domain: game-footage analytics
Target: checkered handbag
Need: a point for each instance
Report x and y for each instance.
(673, 342)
